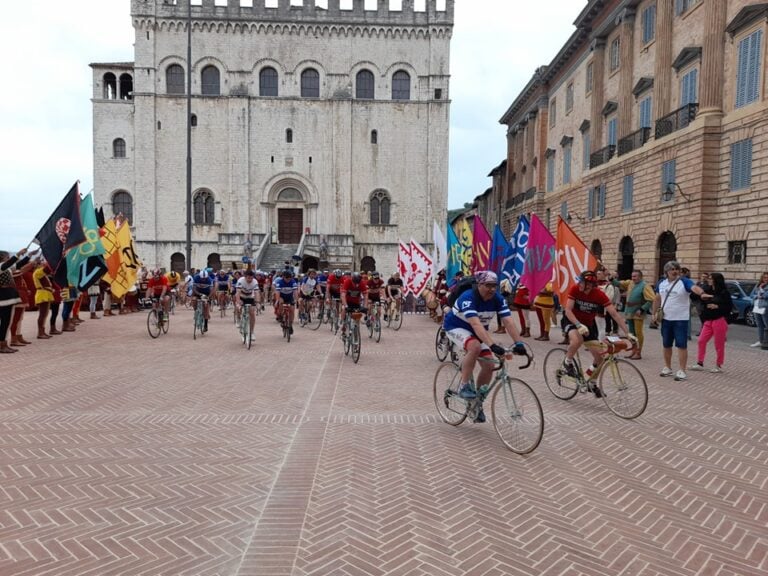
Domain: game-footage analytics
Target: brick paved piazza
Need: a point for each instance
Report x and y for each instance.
(124, 455)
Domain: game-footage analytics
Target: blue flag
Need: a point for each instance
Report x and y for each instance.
(499, 249)
(514, 260)
(455, 252)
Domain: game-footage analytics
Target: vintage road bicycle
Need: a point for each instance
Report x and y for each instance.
(395, 314)
(515, 409)
(351, 337)
(374, 322)
(619, 382)
(199, 317)
(245, 324)
(157, 321)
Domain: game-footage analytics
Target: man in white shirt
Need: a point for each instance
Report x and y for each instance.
(673, 296)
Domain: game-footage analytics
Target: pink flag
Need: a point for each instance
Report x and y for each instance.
(539, 257)
(481, 246)
(404, 265)
(421, 268)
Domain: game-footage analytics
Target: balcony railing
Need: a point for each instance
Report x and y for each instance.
(520, 198)
(676, 120)
(601, 156)
(634, 141)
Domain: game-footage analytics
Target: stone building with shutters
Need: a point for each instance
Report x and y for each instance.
(647, 133)
(317, 127)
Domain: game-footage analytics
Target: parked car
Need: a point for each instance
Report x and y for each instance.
(742, 293)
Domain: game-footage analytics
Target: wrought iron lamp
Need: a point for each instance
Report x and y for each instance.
(669, 192)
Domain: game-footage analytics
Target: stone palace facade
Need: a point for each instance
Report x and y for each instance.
(321, 126)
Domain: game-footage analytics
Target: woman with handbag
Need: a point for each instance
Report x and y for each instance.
(760, 310)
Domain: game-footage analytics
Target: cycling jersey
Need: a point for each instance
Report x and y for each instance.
(587, 305)
(156, 285)
(395, 286)
(354, 292)
(334, 285)
(202, 286)
(172, 280)
(468, 306)
(247, 289)
(285, 288)
(222, 281)
(374, 289)
(308, 286)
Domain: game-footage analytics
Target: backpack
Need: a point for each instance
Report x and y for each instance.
(467, 283)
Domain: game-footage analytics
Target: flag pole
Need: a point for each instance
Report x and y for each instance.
(189, 136)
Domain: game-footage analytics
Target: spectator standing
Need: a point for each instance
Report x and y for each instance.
(43, 297)
(20, 276)
(544, 305)
(673, 300)
(640, 298)
(522, 303)
(760, 311)
(9, 296)
(714, 313)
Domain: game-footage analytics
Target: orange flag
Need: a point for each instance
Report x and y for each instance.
(573, 257)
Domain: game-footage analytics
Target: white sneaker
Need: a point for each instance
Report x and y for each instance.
(697, 367)
(716, 370)
(756, 344)
(666, 371)
(680, 375)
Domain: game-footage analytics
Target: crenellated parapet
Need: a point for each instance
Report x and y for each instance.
(247, 14)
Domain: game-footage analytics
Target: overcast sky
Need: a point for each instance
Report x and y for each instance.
(46, 116)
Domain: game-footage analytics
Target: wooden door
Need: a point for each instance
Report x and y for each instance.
(290, 223)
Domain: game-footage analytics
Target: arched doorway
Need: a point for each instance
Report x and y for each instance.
(290, 217)
(367, 264)
(178, 262)
(309, 262)
(597, 249)
(667, 250)
(626, 258)
(214, 261)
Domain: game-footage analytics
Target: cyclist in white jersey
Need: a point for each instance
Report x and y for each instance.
(247, 288)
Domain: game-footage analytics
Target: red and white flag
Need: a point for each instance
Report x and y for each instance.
(421, 268)
(404, 265)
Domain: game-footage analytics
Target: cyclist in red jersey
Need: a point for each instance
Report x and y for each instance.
(334, 286)
(157, 287)
(354, 295)
(375, 288)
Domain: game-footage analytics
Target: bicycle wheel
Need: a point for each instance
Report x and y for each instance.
(347, 341)
(302, 319)
(248, 331)
(561, 385)
(316, 311)
(356, 343)
(165, 324)
(153, 324)
(624, 389)
(397, 321)
(445, 390)
(517, 415)
(377, 329)
(442, 344)
(370, 327)
(196, 324)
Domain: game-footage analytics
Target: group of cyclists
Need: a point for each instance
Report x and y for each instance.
(346, 289)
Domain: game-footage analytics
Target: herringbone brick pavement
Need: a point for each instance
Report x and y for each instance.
(123, 455)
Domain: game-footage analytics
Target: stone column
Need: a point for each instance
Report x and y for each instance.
(626, 73)
(713, 59)
(662, 84)
(598, 93)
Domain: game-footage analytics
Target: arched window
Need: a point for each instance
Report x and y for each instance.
(110, 86)
(210, 81)
(364, 85)
(367, 264)
(597, 249)
(268, 82)
(122, 203)
(374, 136)
(174, 79)
(310, 83)
(126, 87)
(203, 207)
(118, 148)
(193, 119)
(289, 136)
(401, 85)
(380, 204)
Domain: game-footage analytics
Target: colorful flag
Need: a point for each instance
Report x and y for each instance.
(129, 262)
(404, 264)
(63, 229)
(514, 261)
(465, 239)
(84, 262)
(455, 256)
(111, 249)
(421, 268)
(539, 257)
(499, 250)
(573, 257)
(439, 255)
(481, 246)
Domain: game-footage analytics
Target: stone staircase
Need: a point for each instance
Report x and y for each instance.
(276, 255)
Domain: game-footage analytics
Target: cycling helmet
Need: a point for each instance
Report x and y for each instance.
(157, 272)
(287, 274)
(375, 274)
(174, 274)
(356, 277)
(337, 272)
(203, 274)
(186, 272)
(346, 273)
(587, 276)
